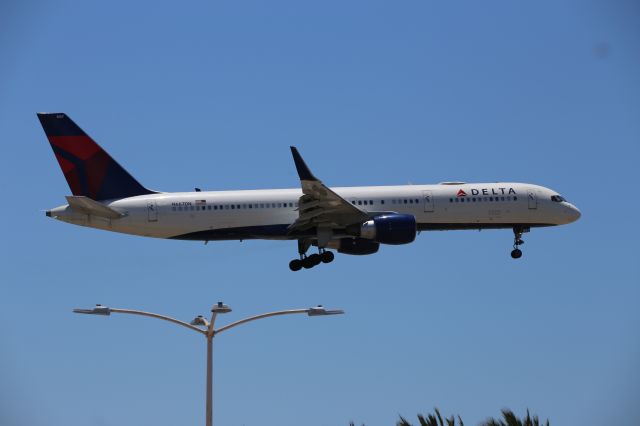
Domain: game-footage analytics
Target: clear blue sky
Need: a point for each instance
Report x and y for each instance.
(211, 94)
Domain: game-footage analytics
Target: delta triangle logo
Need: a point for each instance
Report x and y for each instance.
(461, 193)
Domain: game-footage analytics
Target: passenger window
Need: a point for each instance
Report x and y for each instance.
(405, 201)
(515, 198)
(359, 202)
(381, 201)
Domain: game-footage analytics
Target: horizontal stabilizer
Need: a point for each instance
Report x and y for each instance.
(88, 206)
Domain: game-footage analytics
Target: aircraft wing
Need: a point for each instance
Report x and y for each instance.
(319, 206)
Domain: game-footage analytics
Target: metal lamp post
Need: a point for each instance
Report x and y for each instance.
(209, 331)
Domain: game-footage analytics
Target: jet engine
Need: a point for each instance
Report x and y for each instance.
(355, 246)
(390, 229)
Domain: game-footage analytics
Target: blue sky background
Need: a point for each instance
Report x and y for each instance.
(211, 94)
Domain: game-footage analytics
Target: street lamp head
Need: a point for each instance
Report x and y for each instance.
(220, 308)
(200, 320)
(98, 310)
(320, 310)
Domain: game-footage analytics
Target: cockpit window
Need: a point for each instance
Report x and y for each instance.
(557, 198)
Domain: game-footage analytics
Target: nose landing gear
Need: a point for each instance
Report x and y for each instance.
(516, 253)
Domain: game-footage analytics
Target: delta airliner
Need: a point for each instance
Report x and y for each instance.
(350, 220)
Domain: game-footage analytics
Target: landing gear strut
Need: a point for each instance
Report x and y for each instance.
(516, 253)
(308, 262)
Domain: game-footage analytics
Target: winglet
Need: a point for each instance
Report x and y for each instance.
(301, 166)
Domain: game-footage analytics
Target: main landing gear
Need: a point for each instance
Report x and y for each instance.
(308, 262)
(516, 253)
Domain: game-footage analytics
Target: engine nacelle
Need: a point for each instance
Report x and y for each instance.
(355, 246)
(390, 229)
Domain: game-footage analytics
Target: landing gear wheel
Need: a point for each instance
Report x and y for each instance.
(295, 265)
(516, 253)
(327, 257)
(306, 263)
(314, 259)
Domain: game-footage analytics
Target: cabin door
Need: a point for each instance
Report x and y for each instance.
(533, 201)
(427, 197)
(152, 211)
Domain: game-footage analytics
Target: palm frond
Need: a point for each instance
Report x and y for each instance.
(510, 418)
(423, 421)
(403, 422)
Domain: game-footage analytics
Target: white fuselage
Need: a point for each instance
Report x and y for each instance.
(266, 214)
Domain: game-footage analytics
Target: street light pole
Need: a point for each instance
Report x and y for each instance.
(209, 332)
(209, 409)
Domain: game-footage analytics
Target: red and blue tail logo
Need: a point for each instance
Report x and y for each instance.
(89, 170)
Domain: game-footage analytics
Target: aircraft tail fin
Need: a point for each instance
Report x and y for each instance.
(90, 171)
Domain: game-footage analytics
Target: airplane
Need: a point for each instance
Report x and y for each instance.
(350, 220)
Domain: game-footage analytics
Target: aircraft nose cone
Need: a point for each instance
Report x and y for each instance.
(573, 213)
